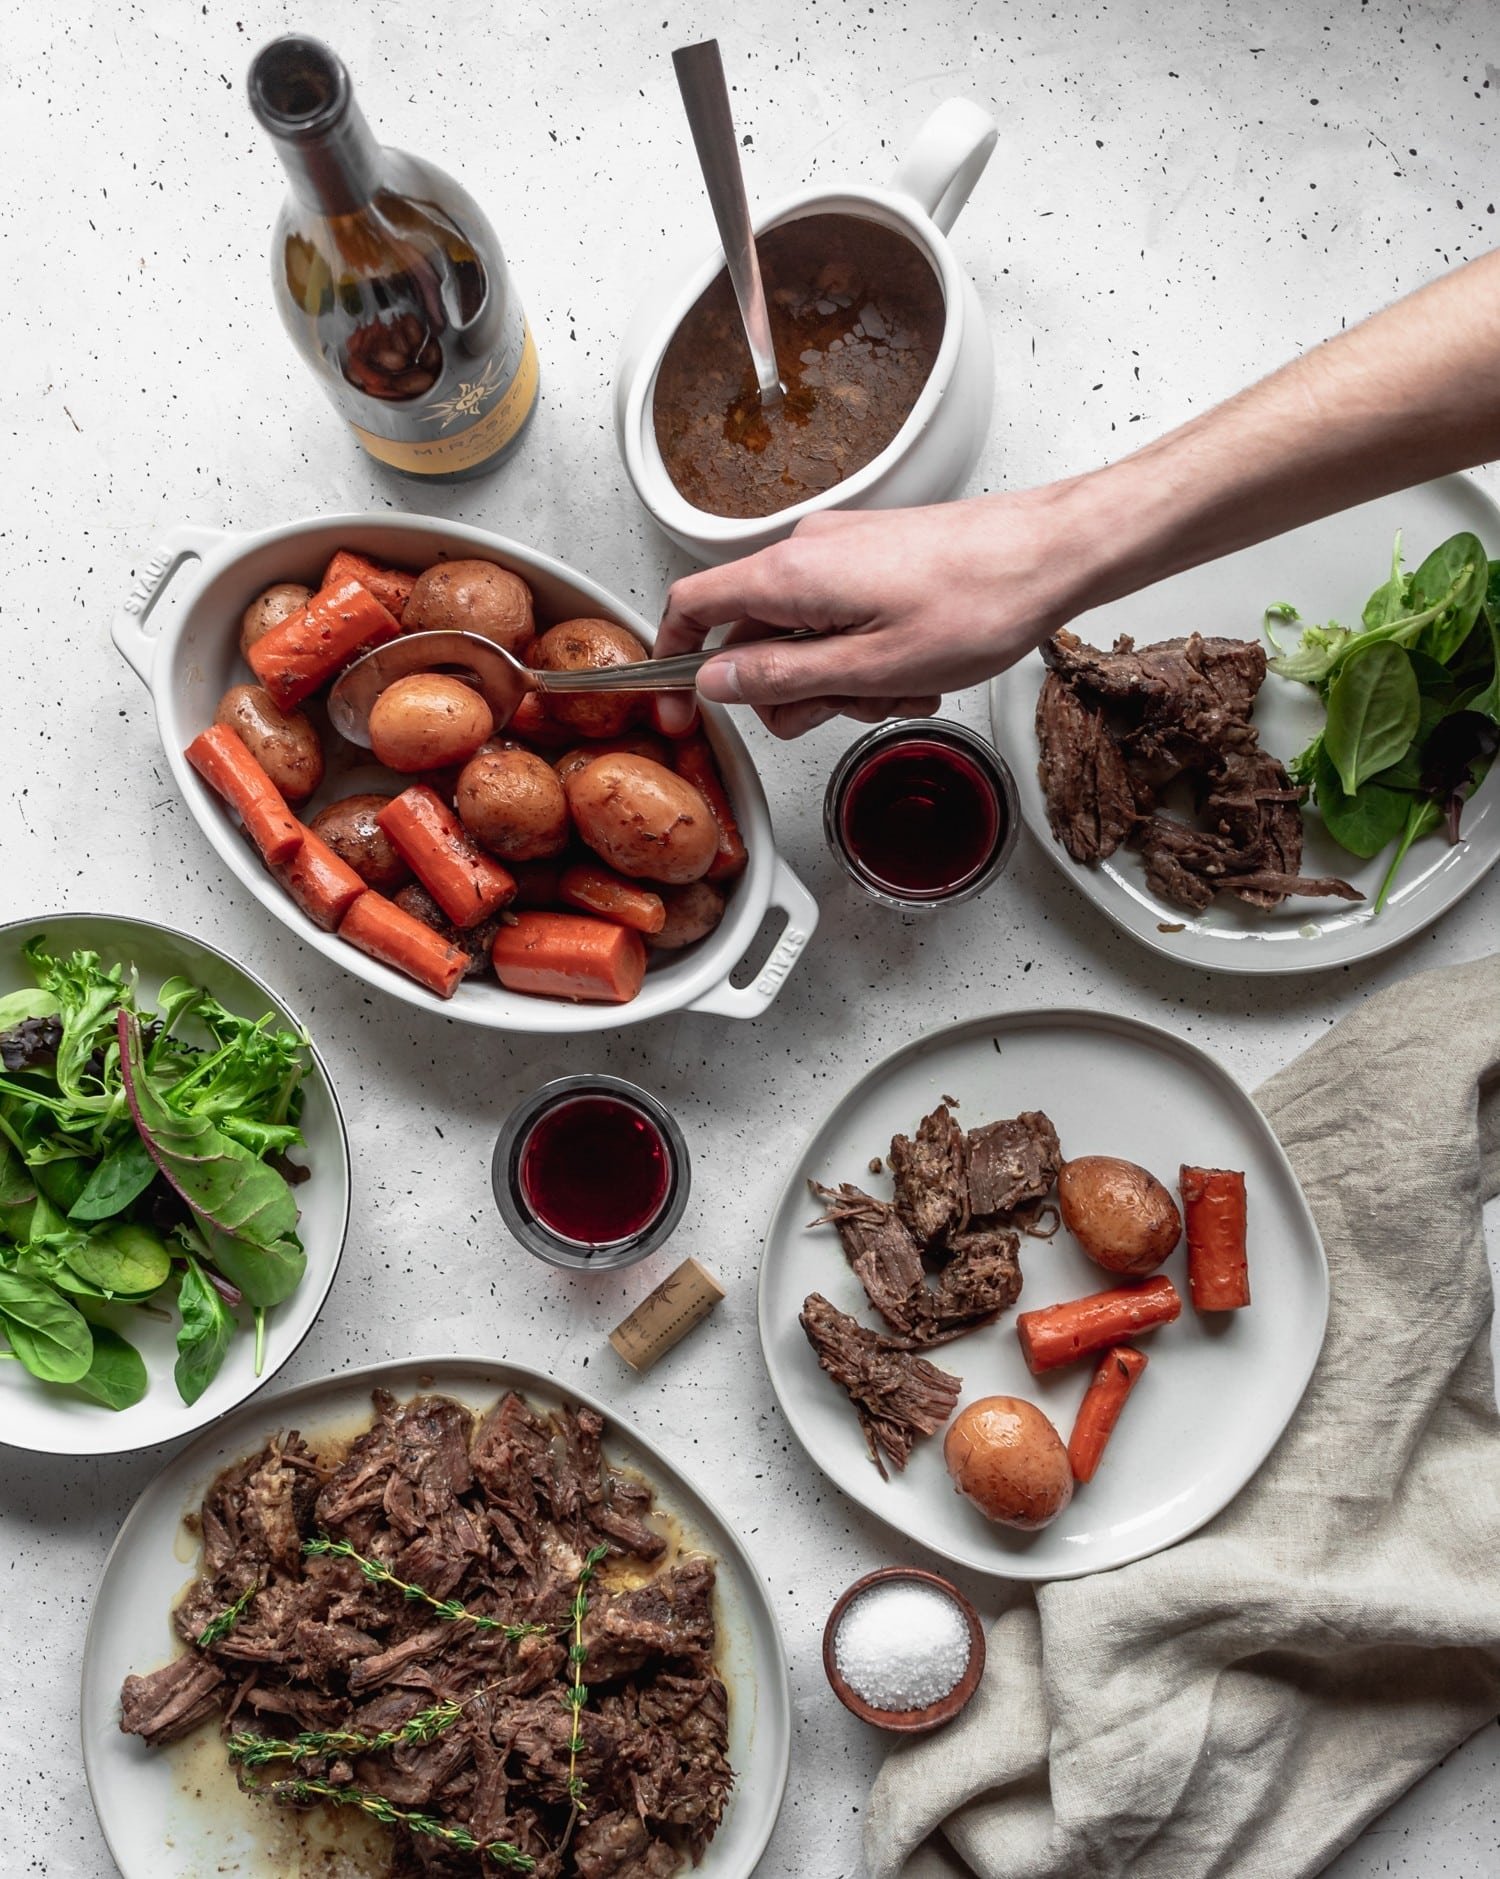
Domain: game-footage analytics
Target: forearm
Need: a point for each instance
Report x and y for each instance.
(1413, 392)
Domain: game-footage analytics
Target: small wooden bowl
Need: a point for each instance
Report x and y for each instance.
(906, 1721)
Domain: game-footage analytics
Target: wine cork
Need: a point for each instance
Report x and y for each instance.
(664, 1317)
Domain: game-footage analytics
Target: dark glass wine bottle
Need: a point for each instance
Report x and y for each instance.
(390, 281)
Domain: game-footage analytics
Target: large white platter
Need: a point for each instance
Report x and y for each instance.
(59, 1421)
(176, 1814)
(1218, 1391)
(1326, 570)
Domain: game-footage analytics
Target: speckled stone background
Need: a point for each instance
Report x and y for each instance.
(1182, 196)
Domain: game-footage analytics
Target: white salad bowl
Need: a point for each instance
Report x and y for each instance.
(56, 1421)
(187, 654)
(944, 432)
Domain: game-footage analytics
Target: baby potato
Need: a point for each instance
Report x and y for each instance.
(692, 914)
(510, 801)
(645, 820)
(472, 597)
(428, 721)
(1118, 1212)
(638, 744)
(284, 743)
(1006, 1457)
(269, 609)
(589, 645)
(351, 831)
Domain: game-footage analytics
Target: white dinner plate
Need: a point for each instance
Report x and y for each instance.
(1327, 571)
(58, 1421)
(1218, 1390)
(177, 1813)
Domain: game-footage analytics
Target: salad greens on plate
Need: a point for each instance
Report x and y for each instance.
(139, 1167)
(1412, 696)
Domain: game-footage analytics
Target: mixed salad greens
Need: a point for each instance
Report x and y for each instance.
(138, 1167)
(1412, 696)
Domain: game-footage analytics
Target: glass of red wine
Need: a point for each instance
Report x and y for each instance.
(591, 1173)
(921, 813)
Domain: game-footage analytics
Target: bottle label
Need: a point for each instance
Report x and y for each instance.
(461, 445)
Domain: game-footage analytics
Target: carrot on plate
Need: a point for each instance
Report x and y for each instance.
(390, 586)
(323, 885)
(227, 765)
(694, 761)
(599, 890)
(386, 932)
(1117, 1375)
(465, 882)
(1213, 1209)
(319, 639)
(569, 955)
(1060, 1334)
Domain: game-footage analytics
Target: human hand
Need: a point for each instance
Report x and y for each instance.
(911, 603)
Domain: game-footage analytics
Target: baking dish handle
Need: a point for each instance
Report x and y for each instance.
(131, 627)
(947, 159)
(790, 897)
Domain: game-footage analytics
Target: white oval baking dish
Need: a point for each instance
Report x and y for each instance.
(188, 656)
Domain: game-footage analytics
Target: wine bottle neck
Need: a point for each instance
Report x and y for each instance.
(301, 95)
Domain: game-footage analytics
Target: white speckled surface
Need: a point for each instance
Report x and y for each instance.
(1182, 195)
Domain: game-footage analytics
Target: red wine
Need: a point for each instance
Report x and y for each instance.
(595, 1170)
(921, 818)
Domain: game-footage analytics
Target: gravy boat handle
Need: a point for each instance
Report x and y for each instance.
(947, 159)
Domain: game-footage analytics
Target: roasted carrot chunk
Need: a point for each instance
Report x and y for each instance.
(1116, 1377)
(318, 640)
(1061, 1334)
(386, 932)
(1213, 1208)
(568, 955)
(220, 757)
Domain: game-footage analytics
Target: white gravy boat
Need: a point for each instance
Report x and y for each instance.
(937, 446)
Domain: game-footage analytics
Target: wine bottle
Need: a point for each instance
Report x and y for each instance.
(390, 281)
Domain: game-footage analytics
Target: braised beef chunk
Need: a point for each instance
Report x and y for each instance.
(1011, 1163)
(171, 1701)
(928, 1171)
(897, 1395)
(879, 1246)
(1115, 728)
(486, 1523)
(1091, 804)
(981, 1278)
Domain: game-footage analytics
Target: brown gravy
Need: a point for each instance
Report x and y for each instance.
(856, 317)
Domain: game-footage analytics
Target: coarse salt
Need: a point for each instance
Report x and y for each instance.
(902, 1645)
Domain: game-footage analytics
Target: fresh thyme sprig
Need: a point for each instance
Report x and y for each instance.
(577, 1694)
(222, 1623)
(254, 1751)
(449, 1608)
(428, 1825)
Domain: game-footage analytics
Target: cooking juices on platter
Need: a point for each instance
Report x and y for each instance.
(591, 1172)
(920, 814)
(857, 317)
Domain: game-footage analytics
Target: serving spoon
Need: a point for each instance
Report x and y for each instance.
(705, 98)
(499, 677)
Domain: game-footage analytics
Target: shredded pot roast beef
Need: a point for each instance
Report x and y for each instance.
(896, 1394)
(1116, 728)
(488, 1518)
(937, 1260)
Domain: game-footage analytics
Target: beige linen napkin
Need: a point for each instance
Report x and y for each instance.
(1243, 1703)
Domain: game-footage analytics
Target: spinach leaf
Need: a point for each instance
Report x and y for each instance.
(207, 1326)
(50, 1336)
(1388, 602)
(116, 1377)
(125, 1260)
(62, 1178)
(1452, 578)
(1373, 711)
(1421, 818)
(246, 1209)
(17, 1189)
(30, 1002)
(123, 1176)
(1364, 822)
